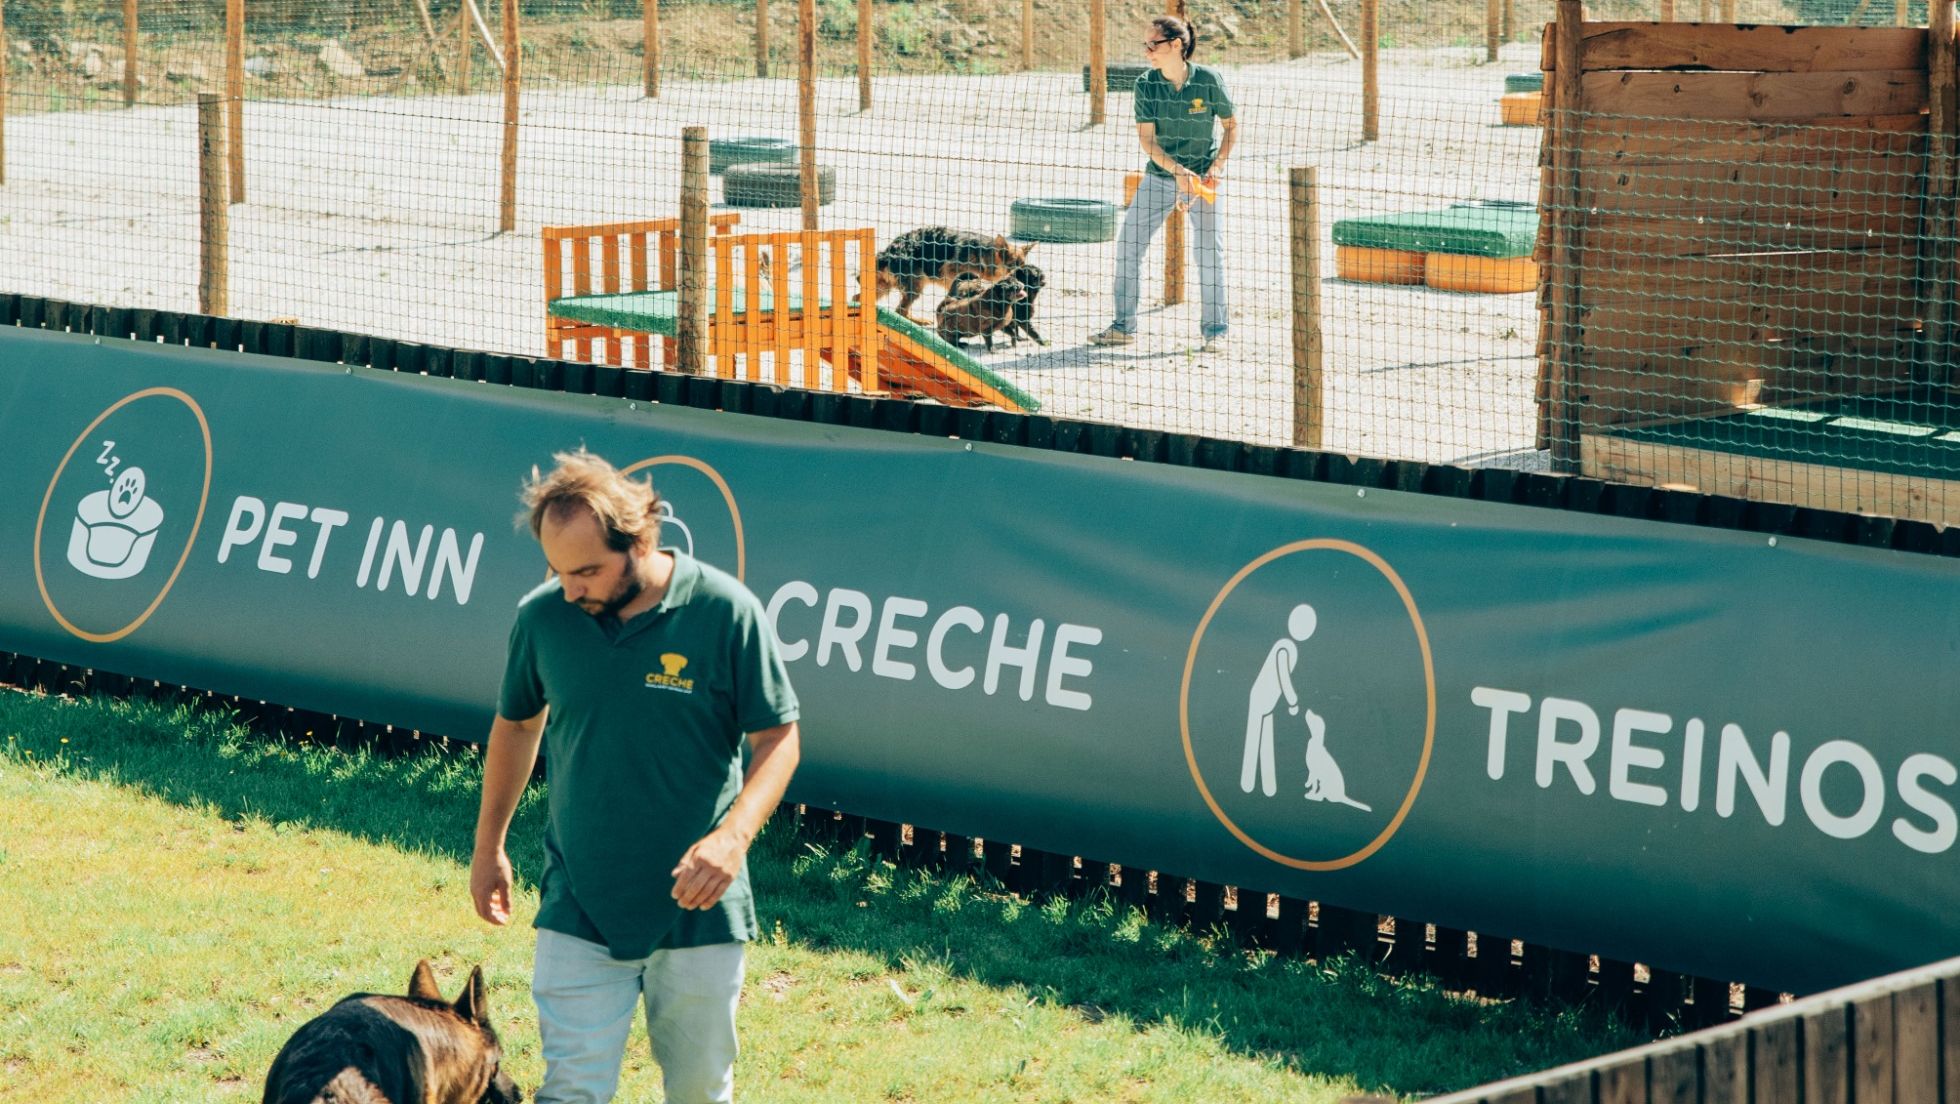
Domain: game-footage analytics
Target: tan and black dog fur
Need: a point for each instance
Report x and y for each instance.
(374, 1049)
(975, 308)
(937, 255)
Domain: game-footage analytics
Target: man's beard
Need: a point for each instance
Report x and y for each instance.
(629, 589)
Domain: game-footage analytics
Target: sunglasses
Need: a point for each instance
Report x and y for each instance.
(1153, 43)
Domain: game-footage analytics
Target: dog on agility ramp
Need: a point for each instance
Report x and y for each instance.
(375, 1049)
(937, 255)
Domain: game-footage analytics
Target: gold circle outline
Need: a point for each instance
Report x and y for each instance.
(1429, 683)
(204, 500)
(728, 496)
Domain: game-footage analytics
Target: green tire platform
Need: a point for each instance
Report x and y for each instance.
(1485, 228)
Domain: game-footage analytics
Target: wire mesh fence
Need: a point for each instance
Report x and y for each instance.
(1732, 271)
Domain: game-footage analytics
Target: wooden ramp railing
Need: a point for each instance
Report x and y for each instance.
(627, 253)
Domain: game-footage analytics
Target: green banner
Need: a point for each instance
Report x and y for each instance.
(1712, 751)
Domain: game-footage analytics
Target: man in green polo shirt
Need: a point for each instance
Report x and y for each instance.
(652, 668)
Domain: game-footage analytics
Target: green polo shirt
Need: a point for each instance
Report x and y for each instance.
(643, 750)
(1183, 115)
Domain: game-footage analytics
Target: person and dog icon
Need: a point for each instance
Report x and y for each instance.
(1270, 686)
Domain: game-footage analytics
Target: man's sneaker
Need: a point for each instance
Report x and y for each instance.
(1215, 343)
(1112, 336)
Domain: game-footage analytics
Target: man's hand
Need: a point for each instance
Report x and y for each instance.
(490, 878)
(708, 867)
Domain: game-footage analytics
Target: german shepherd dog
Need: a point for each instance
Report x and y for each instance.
(1033, 280)
(418, 1049)
(937, 255)
(975, 308)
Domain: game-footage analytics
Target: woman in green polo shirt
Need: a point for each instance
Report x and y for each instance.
(1175, 105)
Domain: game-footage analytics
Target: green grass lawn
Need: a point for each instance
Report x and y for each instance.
(181, 894)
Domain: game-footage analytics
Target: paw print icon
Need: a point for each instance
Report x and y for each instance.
(115, 529)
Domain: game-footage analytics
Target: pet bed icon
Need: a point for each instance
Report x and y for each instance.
(115, 529)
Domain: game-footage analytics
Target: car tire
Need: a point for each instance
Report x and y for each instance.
(723, 152)
(769, 184)
(1063, 220)
(1119, 77)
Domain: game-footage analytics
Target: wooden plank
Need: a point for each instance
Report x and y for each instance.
(1887, 183)
(751, 325)
(1619, 139)
(609, 281)
(1573, 1088)
(1629, 321)
(842, 315)
(813, 313)
(1811, 275)
(1741, 230)
(1724, 1068)
(719, 222)
(1826, 1075)
(1826, 1032)
(1760, 48)
(1622, 1083)
(1950, 1039)
(637, 259)
(1674, 1076)
(1916, 1043)
(1564, 279)
(582, 285)
(554, 284)
(1872, 1053)
(1754, 97)
(1940, 273)
(1775, 1057)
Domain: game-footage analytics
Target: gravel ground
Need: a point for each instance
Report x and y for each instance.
(379, 215)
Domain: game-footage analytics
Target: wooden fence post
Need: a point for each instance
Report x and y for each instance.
(691, 324)
(129, 53)
(761, 38)
(1174, 251)
(1510, 21)
(1098, 63)
(1371, 92)
(1493, 28)
(1728, 11)
(649, 20)
(1296, 28)
(213, 197)
(3, 91)
(1304, 226)
(1027, 35)
(1940, 269)
(465, 49)
(866, 29)
(1667, 11)
(1562, 268)
(513, 58)
(806, 108)
(235, 93)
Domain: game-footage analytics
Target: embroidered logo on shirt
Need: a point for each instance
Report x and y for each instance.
(1197, 104)
(669, 678)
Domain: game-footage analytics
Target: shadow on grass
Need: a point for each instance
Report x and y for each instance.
(1336, 1019)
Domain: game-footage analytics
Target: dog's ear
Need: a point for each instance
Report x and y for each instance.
(473, 1003)
(422, 983)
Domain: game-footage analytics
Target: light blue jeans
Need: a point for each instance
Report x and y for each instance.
(585, 1003)
(1155, 198)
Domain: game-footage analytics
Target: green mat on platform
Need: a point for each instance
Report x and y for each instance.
(1525, 82)
(657, 311)
(1869, 434)
(1491, 228)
